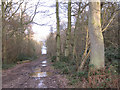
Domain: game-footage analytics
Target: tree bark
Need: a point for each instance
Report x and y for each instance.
(58, 31)
(68, 32)
(75, 32)
(4, 45)
(96, 37)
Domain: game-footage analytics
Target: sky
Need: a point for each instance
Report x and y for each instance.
(44, 17)
(41, 32)
(47, 16)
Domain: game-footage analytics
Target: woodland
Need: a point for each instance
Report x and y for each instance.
(85, 48)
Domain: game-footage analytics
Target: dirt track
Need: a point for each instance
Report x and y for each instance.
(20, 76)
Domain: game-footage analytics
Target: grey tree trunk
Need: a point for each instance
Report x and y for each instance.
(68, 32)
(96, 37)
(58, 31)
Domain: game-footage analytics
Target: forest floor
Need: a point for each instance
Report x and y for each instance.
(34, 74)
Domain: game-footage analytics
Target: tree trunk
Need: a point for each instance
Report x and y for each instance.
(68, 32)
(58, 31)
(96, 37)
(75, 32)
(4, 54)
(85, 54)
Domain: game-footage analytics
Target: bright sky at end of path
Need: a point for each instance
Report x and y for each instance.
(40, 33)
(47, 19)
(44, 50)
(44, 17)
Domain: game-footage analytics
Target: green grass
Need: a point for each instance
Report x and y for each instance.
(7, 66)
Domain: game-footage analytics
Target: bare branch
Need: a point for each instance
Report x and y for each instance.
(39, 24)
(15, 11)
(35, 12)
(110, 20)
(81, 10)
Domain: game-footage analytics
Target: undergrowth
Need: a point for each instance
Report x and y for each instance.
(23, 57)
(105, 78)
(20, 59)
(6, 66)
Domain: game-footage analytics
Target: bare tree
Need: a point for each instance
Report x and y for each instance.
(58, 31)
(68, 32)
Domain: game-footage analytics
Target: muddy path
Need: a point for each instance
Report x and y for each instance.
(35, 74)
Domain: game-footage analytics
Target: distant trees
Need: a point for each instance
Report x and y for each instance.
(51, 45)
(17, 42)
(75, 32)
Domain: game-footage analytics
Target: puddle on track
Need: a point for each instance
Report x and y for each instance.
(37, 70)
(44, 61)
(41, 84)
(37, 74)
(44, 65)
(40, 74)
